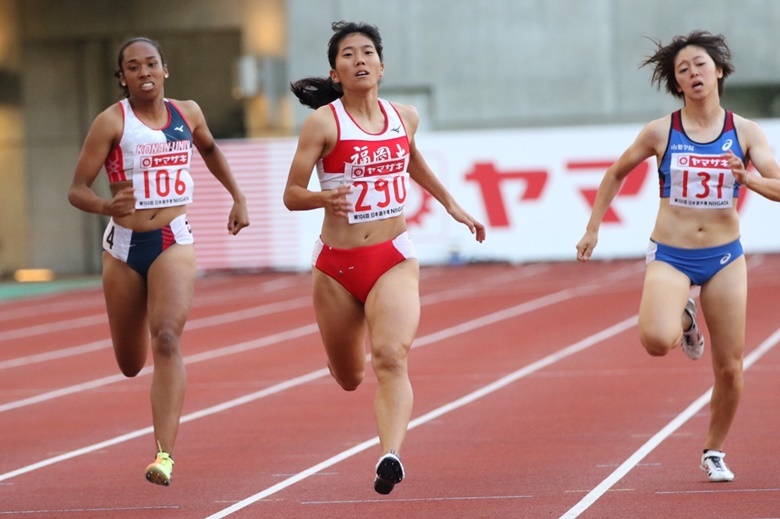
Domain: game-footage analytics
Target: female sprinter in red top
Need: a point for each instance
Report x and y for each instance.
(365, 275)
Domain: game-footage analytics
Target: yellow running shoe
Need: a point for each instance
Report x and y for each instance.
(161, 471)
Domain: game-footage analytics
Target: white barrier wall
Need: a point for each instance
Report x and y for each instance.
(532, 189)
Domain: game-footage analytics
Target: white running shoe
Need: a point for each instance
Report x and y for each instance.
(712, 463)
(389, 472)
(692, 342)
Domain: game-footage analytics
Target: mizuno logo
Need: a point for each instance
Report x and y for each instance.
(397, 129)
(179, 128)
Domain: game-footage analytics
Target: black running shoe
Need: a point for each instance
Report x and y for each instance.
(389, 472)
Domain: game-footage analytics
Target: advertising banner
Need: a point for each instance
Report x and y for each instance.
(532, 188)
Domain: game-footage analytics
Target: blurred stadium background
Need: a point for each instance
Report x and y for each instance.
(523, 104)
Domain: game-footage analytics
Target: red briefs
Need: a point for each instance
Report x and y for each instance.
(358, 269)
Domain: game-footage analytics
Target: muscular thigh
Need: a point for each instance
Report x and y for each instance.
(171, 285)
(664, 295)
(724, 301)
(125, 294)
(341, 320)
(393, 305)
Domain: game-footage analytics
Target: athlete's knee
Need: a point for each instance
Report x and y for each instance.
(130, 370)
(389, 360)
(348, 381)
(131, 359)
(165, 342)
(654, 344)
(729, 375)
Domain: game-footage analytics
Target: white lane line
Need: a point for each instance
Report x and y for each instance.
(661, 435)
(436, 413)
(100, 318)
(238, 348)
(464, 327)
(148, 370)
(719, 491)
(229, 317)
(89, 510)
(92, 296)
(203, 322)
(18, 309)
(56, 354)
(149, 430)
(39, 329)
(248, 313)
(415, 500)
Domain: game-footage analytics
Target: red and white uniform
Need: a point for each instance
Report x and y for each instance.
(374, 164)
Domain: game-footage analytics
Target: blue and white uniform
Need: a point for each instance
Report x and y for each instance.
(696, 175)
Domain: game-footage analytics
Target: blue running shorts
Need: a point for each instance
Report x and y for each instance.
(700, 265)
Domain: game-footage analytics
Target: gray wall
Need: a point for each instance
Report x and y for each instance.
(515, 63)
(466, 64)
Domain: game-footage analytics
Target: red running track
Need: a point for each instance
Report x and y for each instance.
(533, 398)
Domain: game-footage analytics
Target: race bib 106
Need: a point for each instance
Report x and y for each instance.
(162, 179)
(701, 181)
(379, 189)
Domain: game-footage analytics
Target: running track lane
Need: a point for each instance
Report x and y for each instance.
(509, 452)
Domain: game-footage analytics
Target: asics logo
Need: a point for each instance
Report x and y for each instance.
(181, 129)
(727, 145)
(725, 259)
